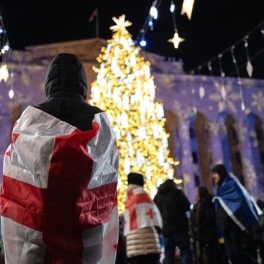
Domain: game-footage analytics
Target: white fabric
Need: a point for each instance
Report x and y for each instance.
(105, 155)
(30, 162)
(145, 220)
(31, 154)
(22, 244)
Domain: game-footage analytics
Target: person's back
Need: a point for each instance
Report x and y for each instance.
(142, 218)
(61, 161)
(235, 212)
(173, 206)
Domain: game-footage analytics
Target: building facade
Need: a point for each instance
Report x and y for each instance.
(206, 125)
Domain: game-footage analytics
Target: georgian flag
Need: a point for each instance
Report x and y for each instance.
(141, 211)
(59, 197)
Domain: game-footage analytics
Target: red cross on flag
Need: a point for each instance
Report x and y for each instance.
(59, 198)
(141, 211)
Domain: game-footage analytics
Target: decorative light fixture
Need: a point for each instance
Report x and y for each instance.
(143, 43)
(3, 73)
(176, 40)
(172, 6)
(120, 24)
(6, 47)
(187, 8)
(153, 10)
(11, 93)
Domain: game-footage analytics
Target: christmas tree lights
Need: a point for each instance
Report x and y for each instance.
(125, 90)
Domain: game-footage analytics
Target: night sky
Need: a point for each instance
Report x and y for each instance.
(215, 25)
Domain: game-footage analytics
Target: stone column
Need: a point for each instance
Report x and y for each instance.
(186, 161)
(216, 142)
(252, 180)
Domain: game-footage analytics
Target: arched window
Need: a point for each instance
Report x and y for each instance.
(230, 145)
(201, 150)
(172, 127)
(256, 138)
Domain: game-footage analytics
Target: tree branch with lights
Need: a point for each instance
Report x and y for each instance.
(125, 90)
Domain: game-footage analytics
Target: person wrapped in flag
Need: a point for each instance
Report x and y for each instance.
(235, 212)
(142, 219)
(59, 191)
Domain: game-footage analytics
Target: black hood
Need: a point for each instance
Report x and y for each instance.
(66, 77)
(167, 186)
(221, 170)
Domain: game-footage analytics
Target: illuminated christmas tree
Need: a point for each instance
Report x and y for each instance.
(125, 90)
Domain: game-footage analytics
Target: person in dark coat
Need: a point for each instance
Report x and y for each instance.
(173, 206)
(233, 235)
(207, 226)
(66, 92)
(194, 234)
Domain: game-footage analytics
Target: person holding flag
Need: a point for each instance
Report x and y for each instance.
(235, 212)
(142, 219)
(59, 191)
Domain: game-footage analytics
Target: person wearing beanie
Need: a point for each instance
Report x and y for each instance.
(235, 212)
(142, 220)
(61, 151)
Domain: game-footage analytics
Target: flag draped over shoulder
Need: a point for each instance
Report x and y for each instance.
(59, 197)
(237, 202)
(141, 211)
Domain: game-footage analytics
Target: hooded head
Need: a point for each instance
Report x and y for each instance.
(66, 77)
(219, 173)
(202, 191)
(135, 178)
(167, 186)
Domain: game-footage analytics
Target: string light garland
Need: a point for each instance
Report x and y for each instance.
(259, 26)
(125, 84)
(149, 21)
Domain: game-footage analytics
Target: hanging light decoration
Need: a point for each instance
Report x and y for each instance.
(172, 6)
(143, 43)
(11, 94)
(187, 8)
(153, 10)
(176, 40)
(4, 73)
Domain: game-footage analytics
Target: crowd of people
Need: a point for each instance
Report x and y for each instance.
(221, 229)
(59, 195)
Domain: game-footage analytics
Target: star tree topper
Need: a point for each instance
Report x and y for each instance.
(121, 24)
(176, 40)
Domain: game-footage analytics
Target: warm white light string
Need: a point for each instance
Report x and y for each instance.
(243, 39)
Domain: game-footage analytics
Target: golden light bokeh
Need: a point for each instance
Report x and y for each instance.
(125, 90)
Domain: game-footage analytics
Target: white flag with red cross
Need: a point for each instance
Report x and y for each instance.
(141, 211)
(59, 192)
